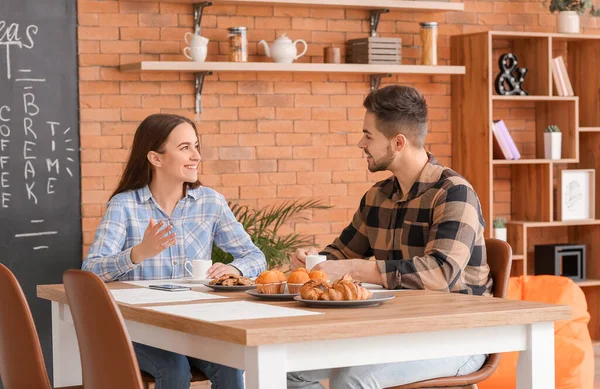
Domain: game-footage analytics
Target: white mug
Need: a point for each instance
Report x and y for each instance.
(195, 53)
(196, 40)
(199, 268)
(313, 260)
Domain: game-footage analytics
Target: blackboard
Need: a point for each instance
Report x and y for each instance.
(40, 199)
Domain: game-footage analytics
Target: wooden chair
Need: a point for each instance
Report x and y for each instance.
(499, 257)
(107, 356)
(21, 360)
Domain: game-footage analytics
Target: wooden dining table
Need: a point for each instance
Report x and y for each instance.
(415, 325)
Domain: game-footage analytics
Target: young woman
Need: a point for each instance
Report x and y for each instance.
(160, 216)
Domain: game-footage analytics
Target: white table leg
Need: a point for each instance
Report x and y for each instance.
(266, 367)
(535, 369)
(65, 350)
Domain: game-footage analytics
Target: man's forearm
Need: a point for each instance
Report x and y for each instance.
(366, 271)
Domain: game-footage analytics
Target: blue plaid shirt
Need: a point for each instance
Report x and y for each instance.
(199, 219)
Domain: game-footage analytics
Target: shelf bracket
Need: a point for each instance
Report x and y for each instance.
(376, 80)
(375, 14)
(199, 85)
(198, 10)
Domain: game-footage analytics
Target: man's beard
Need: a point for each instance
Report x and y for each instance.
(383, 163)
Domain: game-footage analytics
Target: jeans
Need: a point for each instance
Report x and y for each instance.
(387, 374)
(172, 371)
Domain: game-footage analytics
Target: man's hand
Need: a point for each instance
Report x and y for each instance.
(219, 269)
(359, 269)
(298, 259)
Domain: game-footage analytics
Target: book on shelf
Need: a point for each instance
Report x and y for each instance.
(562, 83)
(505, 144)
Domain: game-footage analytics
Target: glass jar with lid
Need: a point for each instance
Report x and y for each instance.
(429, 33)
(238, 44)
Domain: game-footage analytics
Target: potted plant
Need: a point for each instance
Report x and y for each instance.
(569, 12)
(263, 226)
(500, 228)
(552, 142)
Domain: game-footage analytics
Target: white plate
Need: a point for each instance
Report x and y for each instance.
(373, 301)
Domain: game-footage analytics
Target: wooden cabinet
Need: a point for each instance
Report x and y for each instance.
(525, 191)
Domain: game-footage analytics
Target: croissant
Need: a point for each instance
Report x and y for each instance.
(343, 289)
(313, 289)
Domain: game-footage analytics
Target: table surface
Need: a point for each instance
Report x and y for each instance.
(411, 311)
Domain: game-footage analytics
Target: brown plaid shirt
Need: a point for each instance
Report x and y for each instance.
(431, 238)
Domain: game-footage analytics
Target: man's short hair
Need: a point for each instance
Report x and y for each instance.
(399, 110)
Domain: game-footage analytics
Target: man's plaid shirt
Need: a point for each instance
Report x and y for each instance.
(431, 238)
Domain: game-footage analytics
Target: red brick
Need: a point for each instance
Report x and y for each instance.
(95, 196)
(140, 33)
(282, 113)
(291, 11)
(219, 167)
(87, 19)
(345, 25)
(311, 101)
(271, 23)
(98, 33)
(92, 183)
(237, 101)
(97, 115)
(161, 101)
(114, 155)
(91, 210)
(98, 60)
(350, 176)
(294, 191)
(120, 128)
(295, 88)
(89, 74)
(119, 47)
(277, 178)
(311, 126)
(98, 87)
(310, 151)
(120, 20)
(137, 114)
(237, 127)
(237, 153)
(97, 6)
(257, 140)
(298, 165)
(158, 20)
(89, 47)
(314, 178)
(328, 113)
(309, 24)
(293, 139)
(255, 87)
(219, 140)
(160, 47)
(257, 192)
(245, 179)
(278, 126)
(328, 164)
(137, 7)
(275, 101)
(277, 152)
(258, 166)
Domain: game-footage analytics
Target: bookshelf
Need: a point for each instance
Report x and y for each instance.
(524, 191)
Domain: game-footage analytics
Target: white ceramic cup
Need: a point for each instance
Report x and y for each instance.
(195, 39)
(312, 260)
(199, 268)
(195, 53)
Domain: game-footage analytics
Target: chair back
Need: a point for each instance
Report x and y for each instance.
(107, 356)
(21, 360)
(499, 258)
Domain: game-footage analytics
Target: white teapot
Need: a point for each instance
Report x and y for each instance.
(283, 50)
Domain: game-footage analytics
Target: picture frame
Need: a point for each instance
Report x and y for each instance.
(576, 195)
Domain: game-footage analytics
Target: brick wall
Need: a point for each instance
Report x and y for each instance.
(264, 137)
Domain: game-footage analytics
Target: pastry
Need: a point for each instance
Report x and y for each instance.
(318, 275)
(231, 280)
(270, 282)
(342, 290)
(298, 278)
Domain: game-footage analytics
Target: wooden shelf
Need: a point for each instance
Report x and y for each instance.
(417, 6)
(529, 35)
(533, 98)
(588, 283)
(518, 257)
(589, 129)
(554, 224)
(189, 66)
(531, 161)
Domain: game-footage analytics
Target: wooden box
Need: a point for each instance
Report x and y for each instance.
(374, 50)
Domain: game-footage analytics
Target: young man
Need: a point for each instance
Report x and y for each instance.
(423, 226)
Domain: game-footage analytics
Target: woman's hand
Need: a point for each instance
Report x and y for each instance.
(154, 242)
(219, 269)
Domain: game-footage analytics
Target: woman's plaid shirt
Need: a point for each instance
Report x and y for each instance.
(431, 238)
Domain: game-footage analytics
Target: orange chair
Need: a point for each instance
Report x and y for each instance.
(21, 360)
(107, 356)
(499, 257)
(573, 351)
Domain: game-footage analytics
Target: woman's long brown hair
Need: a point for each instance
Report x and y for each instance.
(150, 135)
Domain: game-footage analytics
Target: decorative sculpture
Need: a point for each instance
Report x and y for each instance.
(509, 80)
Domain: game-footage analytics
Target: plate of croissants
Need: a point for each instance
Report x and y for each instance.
(344, 292)
(231, 282)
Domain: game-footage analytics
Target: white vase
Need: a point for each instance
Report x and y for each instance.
(552, 145)
(568, 22)
(500, 233)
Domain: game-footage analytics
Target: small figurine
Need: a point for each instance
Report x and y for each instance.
(507, 82)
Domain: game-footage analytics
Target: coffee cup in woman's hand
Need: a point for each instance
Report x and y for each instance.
(154, 242)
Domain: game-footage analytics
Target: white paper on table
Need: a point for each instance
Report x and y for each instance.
(235, 310)
(149, 296)
(182, 281)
